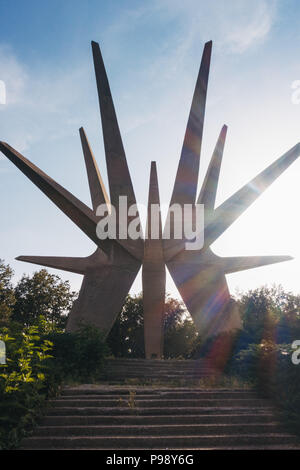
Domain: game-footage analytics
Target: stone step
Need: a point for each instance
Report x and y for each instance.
(215, 448)
(161, 442)
(107, 390)
(152, 411)
(160, 396)
(159, 402)
(162, 368)
(120, 370)
(161, 430)
(154, 381)
(155, 374)
(122, 375)
(157, 363)
(162, 419)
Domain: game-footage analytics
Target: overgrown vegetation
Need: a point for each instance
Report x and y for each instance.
(40, 355)
(261, 352)
(25, 381)
(38, 361)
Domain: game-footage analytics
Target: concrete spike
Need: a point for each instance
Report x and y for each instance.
(97, 188)
(71, 264)
(76, 210)
(186, 181)
(185, 186)
(208, 191)
(120, 183)
(153, 275)
(233, 207)
(118, 173)
(232, 264)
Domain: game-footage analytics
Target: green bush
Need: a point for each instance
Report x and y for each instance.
(78, 356)
(38, 360)
(270, 368)
(24, 381)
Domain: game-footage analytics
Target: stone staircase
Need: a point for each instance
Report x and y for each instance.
(155, 371)
(158, 417)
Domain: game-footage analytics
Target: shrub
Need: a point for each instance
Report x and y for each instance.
(38, 360)
(23, 381)
(269, 367)
(78, 356)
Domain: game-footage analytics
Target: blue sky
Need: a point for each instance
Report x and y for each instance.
(152, 51)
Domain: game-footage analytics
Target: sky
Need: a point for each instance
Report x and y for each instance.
(152, 51)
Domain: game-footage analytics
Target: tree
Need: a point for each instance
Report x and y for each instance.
(270, 313)
(7, 297)
(45, 295)
(126, 338)
(180, 333)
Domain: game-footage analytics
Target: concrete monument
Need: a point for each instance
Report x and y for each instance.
(110, 271)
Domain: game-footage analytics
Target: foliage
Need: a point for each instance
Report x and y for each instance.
(24, 385)
(78, 356)
(180, 335)
(7, 297)
(218, 350)
(270, 313)
(42, 294)
(270, 368)
(260, 353)
(39, 359)
(126, 338)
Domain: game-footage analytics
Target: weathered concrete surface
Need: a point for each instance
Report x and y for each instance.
(106, 417)
(105, 286)
(153, 277)
(96, 185)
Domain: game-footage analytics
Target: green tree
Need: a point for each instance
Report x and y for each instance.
(180, 335)
(45, 295)
(7, 297)
(270, 313)
(126, 338)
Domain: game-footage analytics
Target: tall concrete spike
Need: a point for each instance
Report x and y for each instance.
(120, 183)
(97, 188)
(65, 263)
(118, 173)
(153, 275)
(209, 188)
(185, 187)
(232, 264)
(232, 208)
(76, 210)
